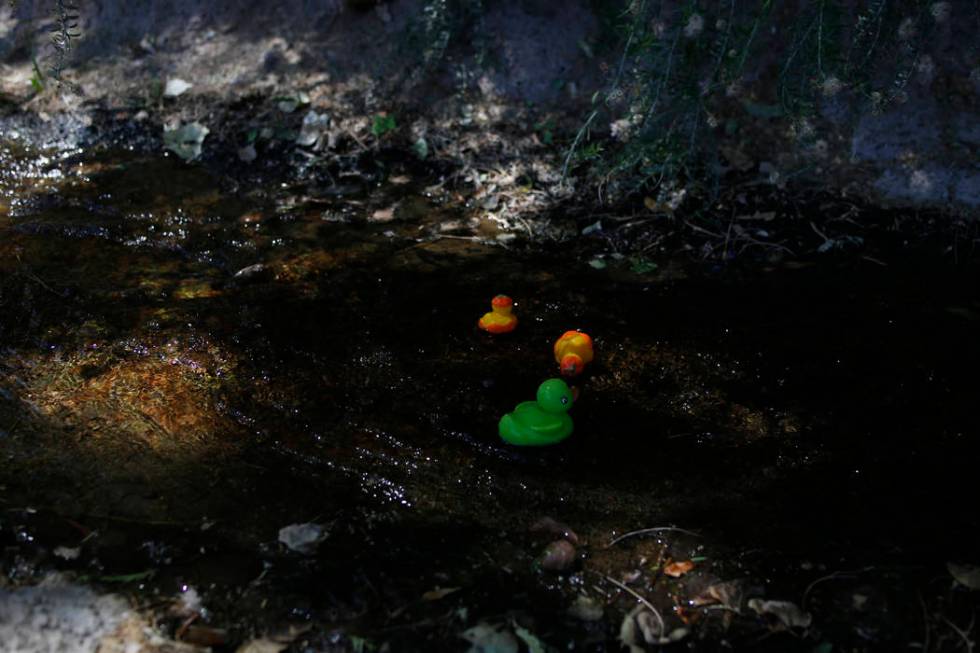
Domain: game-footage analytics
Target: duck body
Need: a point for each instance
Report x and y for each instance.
(542, 422)
(573, 351)
(501, 318)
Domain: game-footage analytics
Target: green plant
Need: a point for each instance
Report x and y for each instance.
(37, 77)
(546, 129)
(677, 76)
(383, 123)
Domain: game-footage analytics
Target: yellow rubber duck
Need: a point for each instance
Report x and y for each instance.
(573, 351)
(500, 319)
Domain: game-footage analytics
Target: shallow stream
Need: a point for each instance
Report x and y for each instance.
(190, 362)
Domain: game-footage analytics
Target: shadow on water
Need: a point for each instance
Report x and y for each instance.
(186, 372)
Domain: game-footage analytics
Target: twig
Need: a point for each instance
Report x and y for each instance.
(820, 233)
(836, 574)
(184, 626)
(925, 623)
(642, 600)
(703, 230)
(963, 635)
(658, 529)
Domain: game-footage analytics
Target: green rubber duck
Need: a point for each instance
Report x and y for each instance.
(541, 422)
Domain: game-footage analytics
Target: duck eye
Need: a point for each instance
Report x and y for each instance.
(564, 400)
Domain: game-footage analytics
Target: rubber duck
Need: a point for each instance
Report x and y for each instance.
(500, 319)
(573, 351)
(542, 422)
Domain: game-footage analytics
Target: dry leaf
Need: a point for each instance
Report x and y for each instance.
(438, 593)
(727, 594)
(586, 608)
(650, 203)
(302, 538)
(175, 87)
(679, 568)
(788, 614)
(641, 626)
(967, 575)
(262, 645)
(485, 638)
(383, 215)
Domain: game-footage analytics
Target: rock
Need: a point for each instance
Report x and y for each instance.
(556, 528)
(557, 556)
(314, 125)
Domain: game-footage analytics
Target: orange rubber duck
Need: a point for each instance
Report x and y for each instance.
(500, 319)
(573, 351)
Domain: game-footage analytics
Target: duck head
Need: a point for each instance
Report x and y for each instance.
(502, 305)
(554, 396)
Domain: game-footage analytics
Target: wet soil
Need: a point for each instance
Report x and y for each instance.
(191, 362)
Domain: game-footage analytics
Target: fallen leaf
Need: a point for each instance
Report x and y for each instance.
(629, 632)
(650, 203)
(592, 228)
(586, 608)
(400, 179)
(789, 615)
(642, 626)
(678, 569)
(485, 638)
(650, 626)
(302, 538)
(67, 553)
(175, 87)
(727, 594)
(534, 644)
(438, 593)
(966, 575)
(262, 645)
(314, 124)
(383, 215)
(641, 265)
(290, 104)
(250, 271)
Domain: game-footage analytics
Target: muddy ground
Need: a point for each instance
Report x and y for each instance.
(197, 355)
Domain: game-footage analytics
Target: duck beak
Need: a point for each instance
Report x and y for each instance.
(571, 365)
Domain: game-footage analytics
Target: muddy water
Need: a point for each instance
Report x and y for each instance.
(191, 362)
